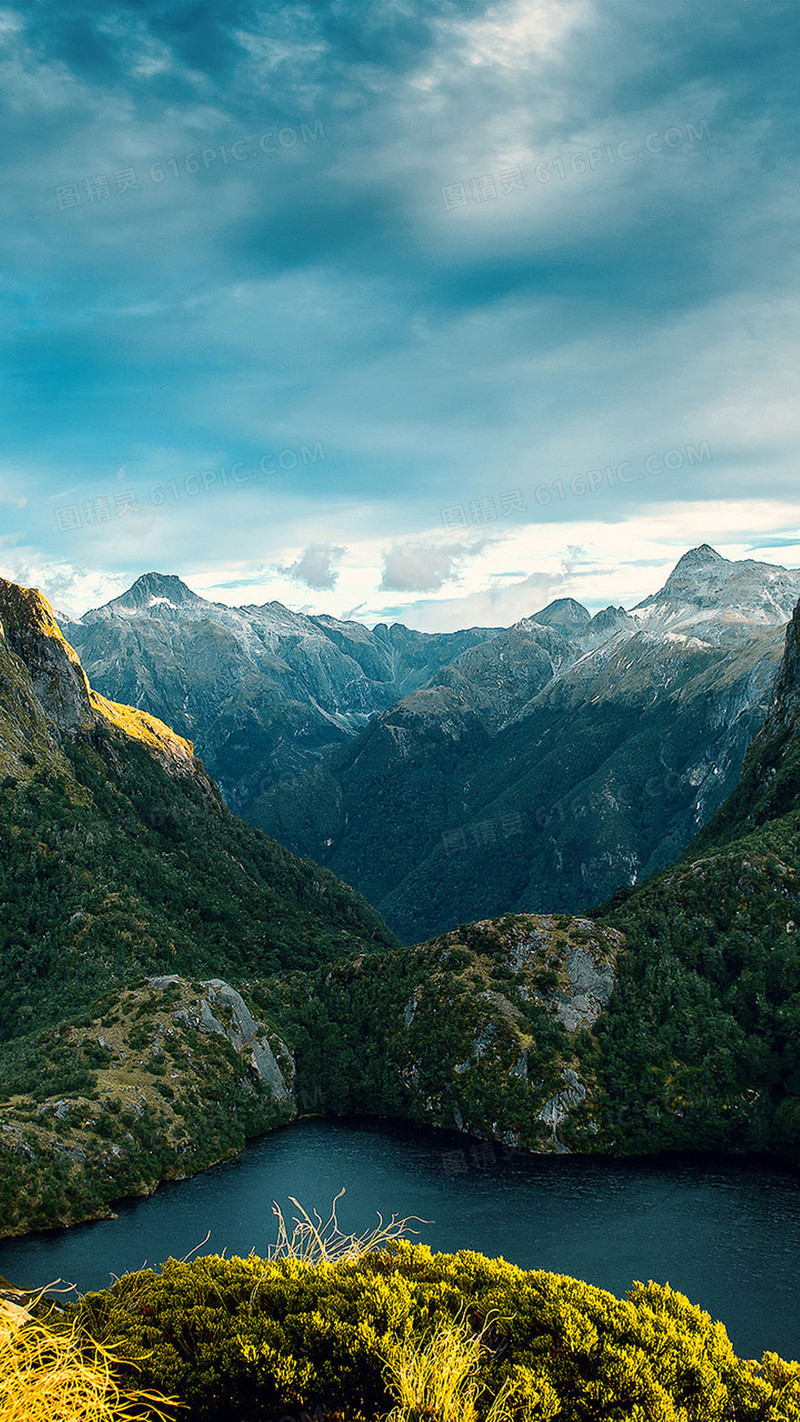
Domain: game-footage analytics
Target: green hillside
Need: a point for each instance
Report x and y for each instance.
(701, 1047)
(129, 892)
(117, 856)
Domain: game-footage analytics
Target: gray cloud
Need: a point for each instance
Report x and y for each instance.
(421, 566)
(315, 566)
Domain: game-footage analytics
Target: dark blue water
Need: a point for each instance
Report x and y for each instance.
(725, 1233)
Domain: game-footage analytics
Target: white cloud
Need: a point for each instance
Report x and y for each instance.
(68, 589)
(513, 35)
(598, 563)
(10, 495)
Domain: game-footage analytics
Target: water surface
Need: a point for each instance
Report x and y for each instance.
(725, 1233)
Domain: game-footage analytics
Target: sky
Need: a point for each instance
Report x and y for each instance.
(424, 312)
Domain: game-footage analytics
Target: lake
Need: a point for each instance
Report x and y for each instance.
(726, 1233)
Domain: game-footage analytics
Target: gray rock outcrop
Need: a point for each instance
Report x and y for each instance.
(222, 1009)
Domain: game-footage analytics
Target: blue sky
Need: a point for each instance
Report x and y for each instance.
(422, 311)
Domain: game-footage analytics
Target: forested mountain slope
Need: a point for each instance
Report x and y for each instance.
(118, 856)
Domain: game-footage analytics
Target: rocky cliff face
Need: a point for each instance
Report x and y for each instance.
(29, 632)
(222, 1009)
(45, 685)
(770, 782)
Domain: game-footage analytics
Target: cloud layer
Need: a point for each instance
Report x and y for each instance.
(400, 280)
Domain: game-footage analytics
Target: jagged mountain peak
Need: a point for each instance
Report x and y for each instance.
(564, 612)
(703, 586)
(609, 619)
(154, 588)
(690, 573)
(702, 557)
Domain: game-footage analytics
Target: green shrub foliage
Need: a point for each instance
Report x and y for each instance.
(241, 1340)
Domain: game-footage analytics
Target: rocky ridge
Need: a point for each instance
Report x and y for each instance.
(60, 701)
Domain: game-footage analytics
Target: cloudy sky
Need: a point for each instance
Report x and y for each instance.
(422, 311)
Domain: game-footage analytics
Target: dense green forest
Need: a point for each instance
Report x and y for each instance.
(701, 1047)
(143, 875)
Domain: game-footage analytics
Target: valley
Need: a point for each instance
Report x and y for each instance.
(190, 983)
(460, 776)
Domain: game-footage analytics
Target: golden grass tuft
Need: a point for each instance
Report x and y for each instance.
(59, 1373)
(436, 1378)
(318, 1241)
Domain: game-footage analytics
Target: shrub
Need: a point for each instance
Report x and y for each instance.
(242, 1340)
(439, 1376)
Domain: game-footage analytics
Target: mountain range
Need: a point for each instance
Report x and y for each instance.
(261, 691)
(462, 775)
